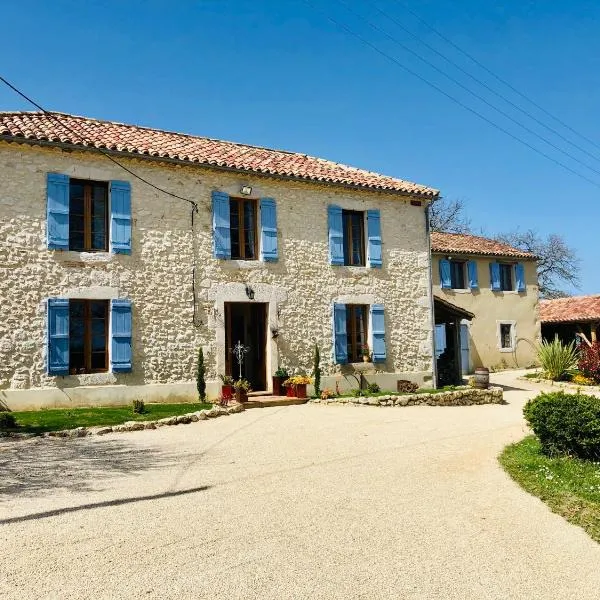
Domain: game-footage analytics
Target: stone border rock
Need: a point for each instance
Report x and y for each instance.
(78, 432)
(567, 386)
(463, 396)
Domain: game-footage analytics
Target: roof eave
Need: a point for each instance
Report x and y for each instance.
(484, 254)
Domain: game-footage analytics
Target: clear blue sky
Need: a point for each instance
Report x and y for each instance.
(277, 73)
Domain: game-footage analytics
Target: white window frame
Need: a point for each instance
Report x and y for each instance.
(513, 335)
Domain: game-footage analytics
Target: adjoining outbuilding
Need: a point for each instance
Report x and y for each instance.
(570, 318)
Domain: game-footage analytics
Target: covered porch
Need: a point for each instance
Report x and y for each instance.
(448, 354)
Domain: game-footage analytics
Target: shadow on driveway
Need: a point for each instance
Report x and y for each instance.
(36, 467)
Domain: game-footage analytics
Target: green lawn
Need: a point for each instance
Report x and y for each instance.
(54, 419)
(569, 486)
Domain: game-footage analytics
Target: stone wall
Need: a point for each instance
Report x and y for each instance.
(157, 277)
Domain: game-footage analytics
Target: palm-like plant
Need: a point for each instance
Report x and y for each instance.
(557, 359)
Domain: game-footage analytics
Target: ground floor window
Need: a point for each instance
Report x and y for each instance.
(356, 331)
(88, 336)
(506, 335)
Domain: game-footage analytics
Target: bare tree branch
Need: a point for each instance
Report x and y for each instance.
(558, 264)
(449, 216)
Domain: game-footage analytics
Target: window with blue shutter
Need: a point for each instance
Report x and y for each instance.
(120, 217)
(445, 275)
(473, 278)
(495, 283)
(340, 341)
(374, 255)
(378, 333)
(58, 336)
(121, 323)
(520, 277)
(268, 230)
(57, 207)
(221, 226)
(336, 235)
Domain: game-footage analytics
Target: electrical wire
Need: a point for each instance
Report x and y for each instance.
(468, 90)
(479, 81)
(494, 75)
(91, 146)
(351, 32)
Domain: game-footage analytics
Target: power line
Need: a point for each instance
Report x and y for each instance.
(480, 82)
(469, 90)
(93, 147)
(447, 95)
(494, 75)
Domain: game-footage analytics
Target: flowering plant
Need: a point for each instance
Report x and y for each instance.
(326, 394)
(365, 350)
(298, 380)
(242, 384)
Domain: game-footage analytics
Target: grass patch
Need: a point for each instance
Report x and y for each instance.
(55, 419)
(569, 486)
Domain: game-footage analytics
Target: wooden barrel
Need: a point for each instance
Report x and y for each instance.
(482, 378)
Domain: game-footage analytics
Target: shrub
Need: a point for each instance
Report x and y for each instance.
(407, 386)
(357, 392)
(373, 388)
(317, 371)
(557, 359)
(7, 420)
(579, 379)
(566, 423)
(139, 408)
(589, 361)
(200, 376)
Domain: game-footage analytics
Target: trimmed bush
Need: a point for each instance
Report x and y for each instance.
(589, 361)
(566, 424)
(558, 360)
(139, 408)
(7, 421)
(407, 387)
(373, 388)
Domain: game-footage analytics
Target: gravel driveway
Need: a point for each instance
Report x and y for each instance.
(291, 502)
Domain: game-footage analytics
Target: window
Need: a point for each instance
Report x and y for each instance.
(506, 335)
(354, 237)
(88, 336)
(457, 274)
(506, 277)
(242, 217)
(356, 331)
(88, 215)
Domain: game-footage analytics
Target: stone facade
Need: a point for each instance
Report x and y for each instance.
(300, 288)
(491, 308)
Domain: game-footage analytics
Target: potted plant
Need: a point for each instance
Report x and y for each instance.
(298, 384)
(279, 382)
(226, 386)
(242, 387)
(366, 353)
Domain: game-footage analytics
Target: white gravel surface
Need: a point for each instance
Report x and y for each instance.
(291, 502)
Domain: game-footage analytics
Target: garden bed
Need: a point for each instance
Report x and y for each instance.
(569, 486)
(459, 396)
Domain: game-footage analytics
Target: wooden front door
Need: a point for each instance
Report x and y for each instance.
(246, 324)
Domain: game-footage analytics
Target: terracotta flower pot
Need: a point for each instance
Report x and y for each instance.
(291, 391)
(227, 392)
(241, 396)
(300, 390)
(277, 386)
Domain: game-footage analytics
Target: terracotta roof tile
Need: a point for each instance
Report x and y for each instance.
(38, 126)
(460, 243)
(575, 308)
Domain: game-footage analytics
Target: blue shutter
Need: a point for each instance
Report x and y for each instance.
(445, 279)
(473, 279)
(520, 277)
(495, 277)
(58, 336)
(57, 207)
(268, 230)
(221, 226)
(336, 235)
(120, 217)
(378, 333)
(440, 339)
(120, 323)
(374, 234)
(340, 339)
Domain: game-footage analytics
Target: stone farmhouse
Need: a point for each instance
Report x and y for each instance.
(110, 286)
(495, 287)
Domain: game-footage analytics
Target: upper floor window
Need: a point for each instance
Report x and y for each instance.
(354, 237)
(506, 277)
(243, 228)
(88, 215)
(457, 274)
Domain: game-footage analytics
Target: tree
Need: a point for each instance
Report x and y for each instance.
(558, 264)
(200, 376)
(449, 216)
(317, 371)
